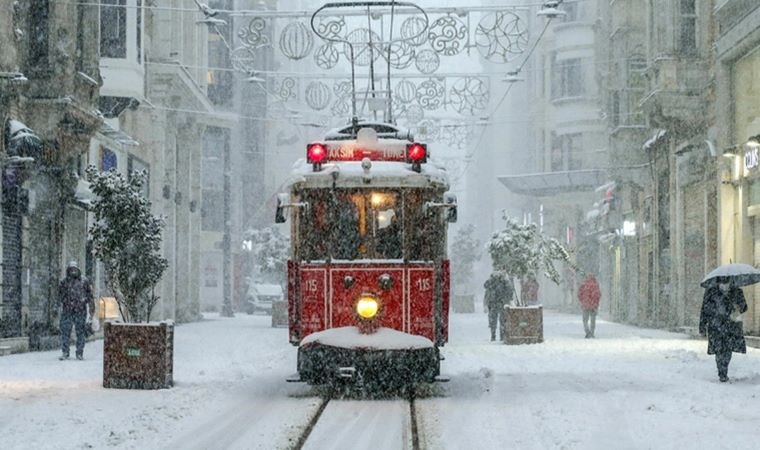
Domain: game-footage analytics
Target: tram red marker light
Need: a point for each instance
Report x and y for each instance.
(416, 153)
(316, 153)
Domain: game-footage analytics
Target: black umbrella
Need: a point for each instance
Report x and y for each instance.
(737, 273)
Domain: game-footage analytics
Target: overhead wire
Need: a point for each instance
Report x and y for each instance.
(470, 154)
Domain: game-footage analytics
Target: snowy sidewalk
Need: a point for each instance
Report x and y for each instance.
(628, 388)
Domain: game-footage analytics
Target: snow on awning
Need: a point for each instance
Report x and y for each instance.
(117, 135)
(83, 194)
(22, 141)
(552, 183)
(656, 139)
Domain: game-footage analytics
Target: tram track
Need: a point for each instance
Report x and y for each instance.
(341, 423)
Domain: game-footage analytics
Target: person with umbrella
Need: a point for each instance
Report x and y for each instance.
(723, 302)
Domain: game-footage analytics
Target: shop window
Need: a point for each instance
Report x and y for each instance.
(687, 36)
(565, 151)
(615, 108)
(38, 36)
(108, 159)
(212, 217)
(139, 30)
(754, 193)
(214, 145)
(113, 28)
(136, 165)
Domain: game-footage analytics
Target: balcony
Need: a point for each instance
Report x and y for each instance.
(676, 90)
(121, 49)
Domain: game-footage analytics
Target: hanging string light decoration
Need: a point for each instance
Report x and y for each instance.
(414, 114)
(401, 54)
(427, 61)
(455, 136)
(501, 36)
(331, 27)
(431, 93)
(427, 130)
(318, 95)
(412, 30)
(448, 35)
(364, 52)
(326, 56)
(253, 35)
(341, 104)
(468, 95)
(405, 91)
(286, 88)
(242, 59)
(296, 41)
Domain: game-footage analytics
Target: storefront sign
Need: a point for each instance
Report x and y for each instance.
(751, 159)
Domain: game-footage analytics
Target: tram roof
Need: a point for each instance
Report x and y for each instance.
(350, 174)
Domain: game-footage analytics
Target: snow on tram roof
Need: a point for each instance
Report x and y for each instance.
(382, 174)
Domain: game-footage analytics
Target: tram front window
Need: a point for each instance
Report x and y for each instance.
(367, 225)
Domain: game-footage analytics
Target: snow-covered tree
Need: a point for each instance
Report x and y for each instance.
(127, 240)
(269, 250)
(520, 250)
(465, 250)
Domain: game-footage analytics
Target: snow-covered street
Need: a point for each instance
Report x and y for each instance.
(628, 388)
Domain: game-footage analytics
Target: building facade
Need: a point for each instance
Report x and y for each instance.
(49, 83)
(737, 106)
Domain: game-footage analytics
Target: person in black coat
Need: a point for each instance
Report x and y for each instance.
(499, 292)
(75, 298)
(720, 306)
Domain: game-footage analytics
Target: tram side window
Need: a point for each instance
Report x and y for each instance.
(424, 236)
(315, 227)
(347, 233)
(386, 229)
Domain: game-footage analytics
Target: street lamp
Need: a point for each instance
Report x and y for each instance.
(551, 10)
(512, 77)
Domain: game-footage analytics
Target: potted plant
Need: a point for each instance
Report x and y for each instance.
(464, 253)
(520, 251)
(126, 238)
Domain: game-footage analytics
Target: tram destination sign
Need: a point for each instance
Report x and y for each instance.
(347, 152)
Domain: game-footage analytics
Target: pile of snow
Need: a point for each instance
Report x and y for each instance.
(382, 339)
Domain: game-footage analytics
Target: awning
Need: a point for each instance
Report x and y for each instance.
(117, 135)
(83, 194)
(22, 141)
(552, 183)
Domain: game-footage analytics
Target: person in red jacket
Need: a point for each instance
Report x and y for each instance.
(589, 295)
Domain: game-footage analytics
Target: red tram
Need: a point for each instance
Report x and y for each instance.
(368, 274)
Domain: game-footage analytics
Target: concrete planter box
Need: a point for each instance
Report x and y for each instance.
(280, 313)
(14, 345)
(138, 355)
(524, 324)
(464, 303)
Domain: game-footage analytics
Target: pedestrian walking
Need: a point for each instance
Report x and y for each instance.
(719, 319)
(75, 297)
(499, 292)
(588, 296)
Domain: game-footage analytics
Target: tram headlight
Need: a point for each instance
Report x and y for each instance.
(367, 306)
